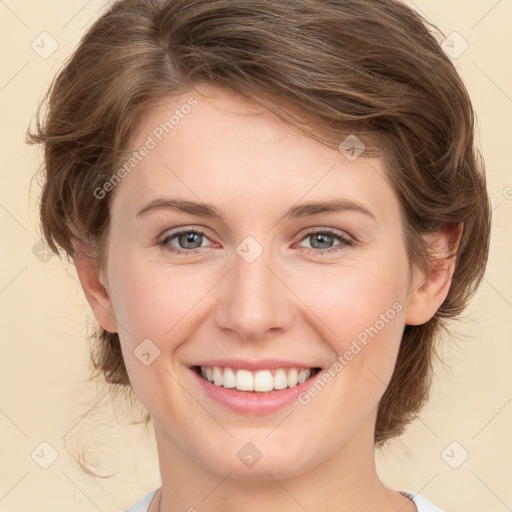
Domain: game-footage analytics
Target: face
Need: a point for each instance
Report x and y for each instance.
(254, 285)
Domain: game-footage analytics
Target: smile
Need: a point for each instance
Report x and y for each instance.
(259, 381)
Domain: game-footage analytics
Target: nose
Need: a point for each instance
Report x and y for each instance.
(254, 301)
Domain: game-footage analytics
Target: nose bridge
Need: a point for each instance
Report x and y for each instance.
(254, 300)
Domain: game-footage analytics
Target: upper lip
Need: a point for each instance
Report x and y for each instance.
(251, 364)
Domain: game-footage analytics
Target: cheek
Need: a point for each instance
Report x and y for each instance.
(153, 301)
(353, 301)
(362, 319)
(159, 304)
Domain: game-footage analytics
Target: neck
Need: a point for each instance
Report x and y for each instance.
(346, 482)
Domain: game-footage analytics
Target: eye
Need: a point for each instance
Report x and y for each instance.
(322, 240)
(188, 240)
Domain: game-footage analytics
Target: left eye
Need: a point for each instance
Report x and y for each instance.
(189, 240)
(321, 241)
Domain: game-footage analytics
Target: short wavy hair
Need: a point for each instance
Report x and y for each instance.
(373, 68)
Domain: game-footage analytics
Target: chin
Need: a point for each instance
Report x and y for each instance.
(248, 462)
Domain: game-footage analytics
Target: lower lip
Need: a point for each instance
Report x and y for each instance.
(255, 404)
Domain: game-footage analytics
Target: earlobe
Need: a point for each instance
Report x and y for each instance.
(91, 280)
(429, 289)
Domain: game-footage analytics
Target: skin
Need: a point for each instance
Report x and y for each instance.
(290, 303)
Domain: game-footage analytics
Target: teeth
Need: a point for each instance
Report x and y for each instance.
(229, 380)
(217, 376)
(293, 378)
(260, 381)
(263, 381)
(244, 380)
(280, 381)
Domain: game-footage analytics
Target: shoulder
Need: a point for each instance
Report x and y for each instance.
(143, 504)
(422, 504)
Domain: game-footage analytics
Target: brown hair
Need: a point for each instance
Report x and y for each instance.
(371, 67)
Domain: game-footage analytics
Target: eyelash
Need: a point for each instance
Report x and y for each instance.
(344, 241)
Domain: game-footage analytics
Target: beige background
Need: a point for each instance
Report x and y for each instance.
(44, 361)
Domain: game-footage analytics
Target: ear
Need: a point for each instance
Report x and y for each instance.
(92, 281)
(429, 289)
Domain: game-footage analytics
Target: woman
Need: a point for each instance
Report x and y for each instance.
(273, 209)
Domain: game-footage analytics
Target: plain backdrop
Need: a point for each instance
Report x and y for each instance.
(458, 454)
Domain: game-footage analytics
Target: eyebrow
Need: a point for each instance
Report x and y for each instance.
(210, 211)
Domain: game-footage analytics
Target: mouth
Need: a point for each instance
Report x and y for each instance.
(260, 381)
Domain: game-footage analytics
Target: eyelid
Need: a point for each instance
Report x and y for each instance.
(330, 231)
(345, 240)
(308, 231)
(173, 233)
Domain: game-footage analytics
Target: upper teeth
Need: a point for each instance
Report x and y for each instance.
(262, 380)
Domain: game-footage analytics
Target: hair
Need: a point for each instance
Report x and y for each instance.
(368, 67)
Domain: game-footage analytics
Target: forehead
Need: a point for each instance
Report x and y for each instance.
(222, 147)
